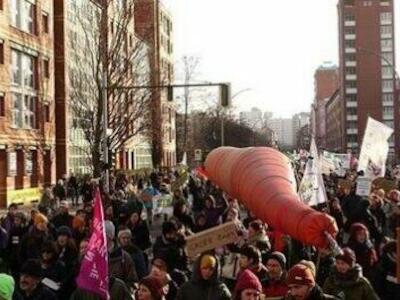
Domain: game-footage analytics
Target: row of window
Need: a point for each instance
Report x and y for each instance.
(386, 18)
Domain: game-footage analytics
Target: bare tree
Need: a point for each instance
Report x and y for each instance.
(111, 54)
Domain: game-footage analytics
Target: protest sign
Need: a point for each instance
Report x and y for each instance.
(211, 239)
(93, 275)
(335, 162)
(374, 149)
(363, 186)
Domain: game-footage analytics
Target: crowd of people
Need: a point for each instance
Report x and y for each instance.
(41, 252)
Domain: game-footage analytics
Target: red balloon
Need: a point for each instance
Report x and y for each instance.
(262, 178)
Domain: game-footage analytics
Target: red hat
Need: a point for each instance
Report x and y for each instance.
(300, 274)
(247, 280)
(348, 256)
(154, 285)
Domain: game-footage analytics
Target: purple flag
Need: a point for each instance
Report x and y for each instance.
(93, 276)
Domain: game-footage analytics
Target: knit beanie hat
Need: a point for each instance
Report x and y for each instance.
(356, 227)
(154, 285)
(64, 230)
(300, 274)
(348, 256)
(309, 264)
(279, 257)
(39, 219)
(7, 285)
(208, 261)
(110, 229)
(247, 280)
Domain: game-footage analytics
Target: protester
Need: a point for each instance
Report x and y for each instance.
(7, 286)
(250, 258)
(140, 231)
(205, 282)
(302, 285)
(248, 287)
(63, 218)
(150, 288)
(120, 263)
(30, 286)
(347, 280)
(274, 284)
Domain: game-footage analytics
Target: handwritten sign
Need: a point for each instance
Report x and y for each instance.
(211, 238)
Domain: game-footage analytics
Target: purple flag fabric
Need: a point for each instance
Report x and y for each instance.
(93, 275)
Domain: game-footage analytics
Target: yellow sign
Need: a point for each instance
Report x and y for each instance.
(24, 196)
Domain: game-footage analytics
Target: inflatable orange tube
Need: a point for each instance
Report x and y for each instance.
(263, 180)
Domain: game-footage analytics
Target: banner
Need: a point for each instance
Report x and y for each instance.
(336, 163)
(211, 239)
(93, 275)
(312, 189)
(374, 149)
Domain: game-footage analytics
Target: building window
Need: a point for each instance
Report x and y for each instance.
(47, 113)
(387, 98)
(350, 43)
(24, 111)
(350, 70)
(387, 45)
(387, 71)
(387, 58)
(386, 18)
(2, 106)
(23, 69)
(351, 84)
(389, 123)
(387, 85)
(45, 22)
(386, 30)
(351, 111)
(22, 14)
(1, 52)
(46, 68)
(351, 98)
(349, 17)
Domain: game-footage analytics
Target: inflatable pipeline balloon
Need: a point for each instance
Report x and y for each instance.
(262, 178)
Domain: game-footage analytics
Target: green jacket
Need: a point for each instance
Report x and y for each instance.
(350, 286)
(199, 289)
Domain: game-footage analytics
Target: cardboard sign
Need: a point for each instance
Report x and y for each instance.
(211, 239)
(385, 184)
(363, 186)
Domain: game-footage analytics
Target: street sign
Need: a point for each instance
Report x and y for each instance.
(198, 155)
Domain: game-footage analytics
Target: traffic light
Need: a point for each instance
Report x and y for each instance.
(170, 93)
(225, 94)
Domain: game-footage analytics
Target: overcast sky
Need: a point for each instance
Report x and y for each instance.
(272, 47)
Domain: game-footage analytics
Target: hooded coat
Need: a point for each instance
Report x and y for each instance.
(200, 289)
(316, 294)
(350, 286)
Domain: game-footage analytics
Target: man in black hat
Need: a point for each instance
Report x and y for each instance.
(30, 285)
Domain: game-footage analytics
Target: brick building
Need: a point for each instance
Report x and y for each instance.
(27, 137)
(153, 24)
(367, 63)
(326, 82)
(334, 123)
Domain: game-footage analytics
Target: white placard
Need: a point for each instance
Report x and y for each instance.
(363, 186)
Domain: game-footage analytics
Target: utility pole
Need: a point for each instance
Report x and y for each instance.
(105, 134)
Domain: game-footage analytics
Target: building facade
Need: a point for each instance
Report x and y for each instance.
(367, 64)
(283, 130)
(326, 82)
(334, 123)
(153, 24)
(27, 136)
(252, 118)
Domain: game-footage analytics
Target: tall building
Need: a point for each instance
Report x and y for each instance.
(252, 118)
(299, 121)
(153, 24)
(367, 63)
(27, 141)
(283, 131)
(326, 82)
